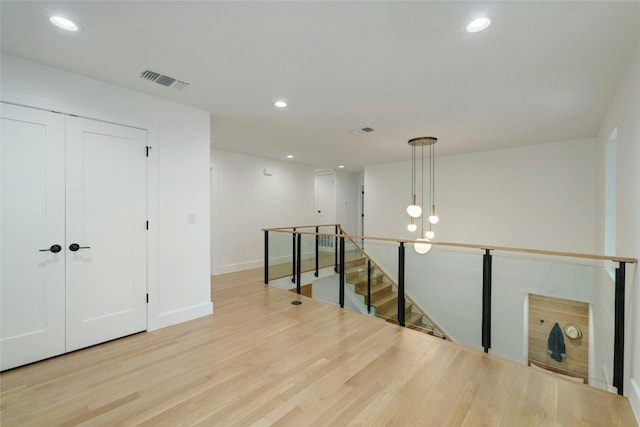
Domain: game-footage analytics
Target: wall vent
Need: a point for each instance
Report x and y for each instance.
(163, 80)
(365, 129)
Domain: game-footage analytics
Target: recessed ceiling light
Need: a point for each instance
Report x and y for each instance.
(64, 23)
(289, 156)
(341, 166)
(280, 104)
(478, 24)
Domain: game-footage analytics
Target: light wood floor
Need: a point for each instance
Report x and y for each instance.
(259, 360)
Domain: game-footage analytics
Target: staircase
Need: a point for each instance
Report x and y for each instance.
(384, 297)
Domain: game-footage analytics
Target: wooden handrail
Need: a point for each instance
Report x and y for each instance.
(300, 226)
(460, 245)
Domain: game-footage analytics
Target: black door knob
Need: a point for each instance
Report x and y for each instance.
(54, 248)
(74, 247)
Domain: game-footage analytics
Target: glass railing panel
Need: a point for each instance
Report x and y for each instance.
(367, 290)
(602, 327)
(326, 286)
(327, 248)
(384, 296)
(280, 260)
(447, 286)
(307, 251)
(555, 315)
(385, 256)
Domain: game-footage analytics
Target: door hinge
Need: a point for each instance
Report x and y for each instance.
(147, 227)
(147, 298)
(148, 148)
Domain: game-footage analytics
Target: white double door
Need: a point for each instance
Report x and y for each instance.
(73, 233)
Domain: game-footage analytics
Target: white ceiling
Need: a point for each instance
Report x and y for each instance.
(544, 71)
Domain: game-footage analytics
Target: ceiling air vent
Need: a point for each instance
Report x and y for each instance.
(163, 80)
(365, 129)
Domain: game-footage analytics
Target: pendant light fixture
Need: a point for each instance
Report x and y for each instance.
(414, 210)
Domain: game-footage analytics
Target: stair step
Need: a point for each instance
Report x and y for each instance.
(377, 288)
(359, 278)
(354, 264)
(385, 303)
(422, 329)
(413, 319)
(356, 274)
(388, 310)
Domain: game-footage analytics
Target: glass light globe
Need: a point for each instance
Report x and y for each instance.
(412, 227)
(422, 248)
(414, 211)
(429, 234)
(433, 219)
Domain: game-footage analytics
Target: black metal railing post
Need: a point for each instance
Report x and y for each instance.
(486, 300)
(401, 301)
(342, 272)
(266, 256)
(293, 255)
(317, 251)
(335, 264)
(618, 337)
(368, 286)
(299, 264)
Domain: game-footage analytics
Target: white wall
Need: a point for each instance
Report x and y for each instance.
(249, 193)
(537, 196)
(178, 276)
(624, 113)
(245, 200)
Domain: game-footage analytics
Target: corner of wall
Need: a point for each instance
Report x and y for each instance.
(170, 318)
(634, 398)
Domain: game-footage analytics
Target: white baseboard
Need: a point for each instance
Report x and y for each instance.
(174, 317)
(512, 357)
(634, 398)
(248, 265)
(241, 266)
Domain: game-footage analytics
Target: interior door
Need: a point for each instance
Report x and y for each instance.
(106, 232)
(326, 199)
(32, 287)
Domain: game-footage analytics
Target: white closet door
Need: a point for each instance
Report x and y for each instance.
(326, 199)
(106, 218)
(32, 312)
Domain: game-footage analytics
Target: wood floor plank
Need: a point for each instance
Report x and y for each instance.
(259, 360)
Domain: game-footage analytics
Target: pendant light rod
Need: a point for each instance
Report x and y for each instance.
(433, 219)
(414, 210)
(422, 185)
